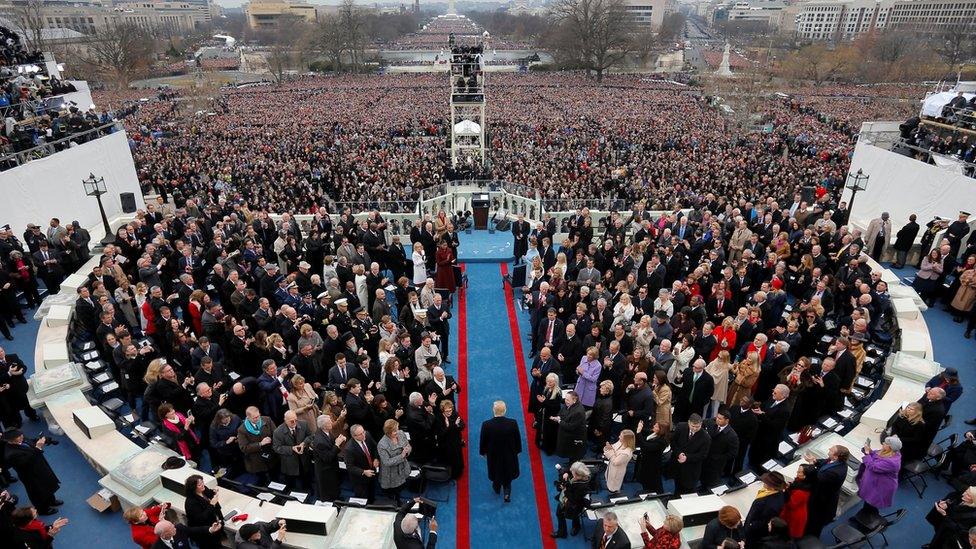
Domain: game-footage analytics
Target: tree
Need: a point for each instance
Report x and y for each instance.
(672, 26)
(332, 39)
(353, 22)
(817, 63)
(30, 17)
(345, 34)
(519, 27)
(596, 33)
(119, 53)
(955, 44)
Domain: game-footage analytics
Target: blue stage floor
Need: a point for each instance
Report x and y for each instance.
(484, 247)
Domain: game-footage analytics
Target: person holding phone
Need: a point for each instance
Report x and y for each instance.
(877, 480)
(203, 513)
(668, 536)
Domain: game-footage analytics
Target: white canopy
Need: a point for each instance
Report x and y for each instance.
(932, 106)
(467, 127)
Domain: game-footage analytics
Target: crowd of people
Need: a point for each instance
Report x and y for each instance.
(716, 334)
(30, 117)
(923, 142)
(567, 136)
(274, 348)
(221, 332)
(13, 51)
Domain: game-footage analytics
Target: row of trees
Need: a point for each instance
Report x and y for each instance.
(890, 56)
(342, 36)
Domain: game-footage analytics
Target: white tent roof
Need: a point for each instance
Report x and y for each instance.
(467, 127)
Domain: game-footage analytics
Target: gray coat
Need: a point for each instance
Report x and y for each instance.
(394, 468)
(282, 441)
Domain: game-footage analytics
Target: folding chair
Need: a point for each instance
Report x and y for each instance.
(934, 460)
(438, 475)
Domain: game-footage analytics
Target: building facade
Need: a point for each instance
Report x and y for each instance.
(647, 15)
(769, 12)
(267, 14)
(92, 18)
(834, 20)
(933, 15)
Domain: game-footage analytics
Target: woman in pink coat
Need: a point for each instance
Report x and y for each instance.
(877, 480)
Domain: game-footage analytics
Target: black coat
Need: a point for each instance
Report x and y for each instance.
(450, 446)
(32, 467)
(501, 443)
(846, 369)
(17, 395)
(419, 423)
(822, 505)
(357, 463)
(692, 397)
(325, 454)
(723, 450)
(571, 437)
(913, 438)
(200, 516)
(403, 541)
(760, 513)
(695, 448)
(951, 529)
(641, 402)
(745, 424)
(905, 236)
(933, 412)
(649, 466)
(772, 423)
(715, 534)
(572, 351)
(575, 492)
(619, 540)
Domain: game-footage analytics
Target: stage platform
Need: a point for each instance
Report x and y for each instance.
(483, 247)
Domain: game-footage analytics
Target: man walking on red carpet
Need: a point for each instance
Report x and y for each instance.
(501, 444)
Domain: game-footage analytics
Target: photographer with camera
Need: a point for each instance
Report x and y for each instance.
(573, 487)
(40, 482)
(406, 526)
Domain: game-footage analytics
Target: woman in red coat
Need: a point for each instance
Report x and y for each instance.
(797, 495)
(444, 277)
(143, 523)
(724, 338)
(668, 536)
(32, 532)
(196, 306)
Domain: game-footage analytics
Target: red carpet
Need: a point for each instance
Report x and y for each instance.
(463, 494)
(538, 476)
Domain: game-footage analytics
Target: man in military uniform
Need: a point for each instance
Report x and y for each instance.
(365, 332)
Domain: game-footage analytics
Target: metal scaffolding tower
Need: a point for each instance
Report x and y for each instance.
(468, 122)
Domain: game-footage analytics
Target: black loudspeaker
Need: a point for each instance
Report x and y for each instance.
(128, 202)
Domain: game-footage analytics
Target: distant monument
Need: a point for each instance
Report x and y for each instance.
(451, 9)
(725, 69)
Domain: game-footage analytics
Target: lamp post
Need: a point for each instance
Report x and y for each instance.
(95, 186)
(856, 182)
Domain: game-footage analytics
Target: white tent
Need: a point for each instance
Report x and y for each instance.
(467, 127)
(933, 104)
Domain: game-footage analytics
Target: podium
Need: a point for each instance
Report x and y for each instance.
(479, 208)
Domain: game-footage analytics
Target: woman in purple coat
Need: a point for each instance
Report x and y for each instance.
(877, 480)
(589, 375)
